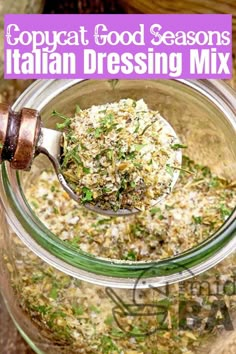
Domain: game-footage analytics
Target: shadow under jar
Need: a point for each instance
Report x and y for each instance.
(55, 291)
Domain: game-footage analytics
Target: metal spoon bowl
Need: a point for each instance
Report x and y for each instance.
(50, 143)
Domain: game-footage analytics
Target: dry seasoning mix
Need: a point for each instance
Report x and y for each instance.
(79, 316)
(119, 155)
(197, 206)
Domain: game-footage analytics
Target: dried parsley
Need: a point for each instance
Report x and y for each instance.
(87, 195)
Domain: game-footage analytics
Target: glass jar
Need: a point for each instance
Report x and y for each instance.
(64, 300)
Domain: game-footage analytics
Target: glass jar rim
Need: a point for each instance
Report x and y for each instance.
(115, 273)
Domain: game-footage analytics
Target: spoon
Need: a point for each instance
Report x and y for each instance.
(22, 138)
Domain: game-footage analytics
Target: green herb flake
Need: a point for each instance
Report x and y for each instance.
(53, 188)
(170, 170)
(67, 120)
(137, 127)
(169, 207)
(94, 309)
(101, 222)
(83, 147)
(107, 345)
(109, 320)
(86, 170)
(131, 155)
(107, 120)
(98, 132)
(35, 204)
(139, 147)
(77, 159)
(154, 211)
(106, 190)
(90, 130)
(224, 211)
(110, 154)
(54, 316)
(158, 212)
(43, 309)
(206, 172)
(64, 125)
(87, 195)
(57, 114)
(197, 219)
(53, 293)
(72, 155)
(214, 182)
(75, 241)
(78, 310)
(131, 256)
(77, 109)
(148, 126)
(178, 146)
(37, 277)
(136, 331)
(138, 165)
(116, 332)
(56, 210)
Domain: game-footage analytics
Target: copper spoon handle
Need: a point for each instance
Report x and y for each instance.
(19, 135)
(22, 138)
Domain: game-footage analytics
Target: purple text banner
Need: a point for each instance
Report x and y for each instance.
(118, 46)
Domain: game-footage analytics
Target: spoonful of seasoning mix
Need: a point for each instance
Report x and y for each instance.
(116, 159)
